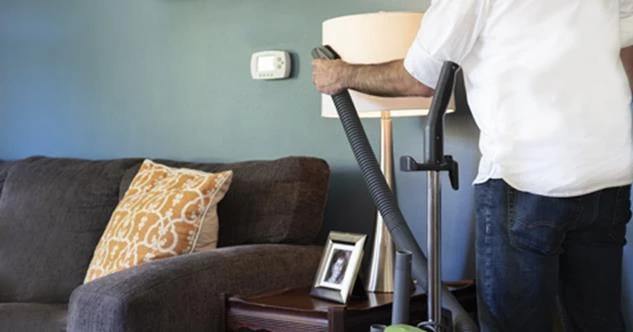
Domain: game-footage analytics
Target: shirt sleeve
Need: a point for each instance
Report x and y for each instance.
(626, 23)
(448, 32)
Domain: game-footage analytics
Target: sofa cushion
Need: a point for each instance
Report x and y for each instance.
(33, 317)
(52, 214)
(272, 201)
(163, 214)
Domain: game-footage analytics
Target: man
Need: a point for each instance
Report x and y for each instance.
(549, 94)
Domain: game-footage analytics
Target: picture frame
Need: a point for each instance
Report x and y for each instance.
(338, 270)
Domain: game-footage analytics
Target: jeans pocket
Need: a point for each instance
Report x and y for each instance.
(537, 223)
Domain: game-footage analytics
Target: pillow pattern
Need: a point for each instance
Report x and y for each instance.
(165, 212)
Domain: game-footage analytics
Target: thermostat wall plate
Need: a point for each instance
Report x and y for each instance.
(270, 65)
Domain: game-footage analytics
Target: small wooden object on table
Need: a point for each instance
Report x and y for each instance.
(292, 310)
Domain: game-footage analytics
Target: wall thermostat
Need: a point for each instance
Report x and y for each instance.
(270, 65)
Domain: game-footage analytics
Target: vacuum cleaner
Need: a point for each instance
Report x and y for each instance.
(425, 273)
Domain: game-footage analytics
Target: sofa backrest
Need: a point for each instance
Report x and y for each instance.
(52, 214)
(269, 201)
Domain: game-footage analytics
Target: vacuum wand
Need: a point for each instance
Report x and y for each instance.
(434, 162)
(434, 155)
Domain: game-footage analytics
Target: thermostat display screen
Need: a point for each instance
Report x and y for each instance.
(266, 63)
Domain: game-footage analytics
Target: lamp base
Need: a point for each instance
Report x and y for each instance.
(381, 267)
(383, 252)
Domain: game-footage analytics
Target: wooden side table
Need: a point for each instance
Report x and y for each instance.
(292, 310)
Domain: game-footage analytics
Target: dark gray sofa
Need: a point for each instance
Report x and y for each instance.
(54, 210)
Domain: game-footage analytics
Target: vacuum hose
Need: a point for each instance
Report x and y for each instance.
(384, 198)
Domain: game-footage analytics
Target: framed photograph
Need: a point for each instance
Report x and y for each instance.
(339, 266)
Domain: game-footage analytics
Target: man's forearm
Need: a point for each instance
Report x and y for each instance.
(388, 79)
(626, 54)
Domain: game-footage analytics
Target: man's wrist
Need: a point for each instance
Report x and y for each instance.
(347, 76)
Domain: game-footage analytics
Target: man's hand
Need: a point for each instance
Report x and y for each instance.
(328, 76)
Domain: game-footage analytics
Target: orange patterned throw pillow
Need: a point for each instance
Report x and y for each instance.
(166, 212)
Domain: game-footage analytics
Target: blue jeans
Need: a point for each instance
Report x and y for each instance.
(541, 258)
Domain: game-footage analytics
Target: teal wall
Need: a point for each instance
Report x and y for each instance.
(170, 79)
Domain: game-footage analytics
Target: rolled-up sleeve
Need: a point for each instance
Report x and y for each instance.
(448, 31)
(626, 23)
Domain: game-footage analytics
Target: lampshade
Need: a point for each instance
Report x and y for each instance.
(374, 38)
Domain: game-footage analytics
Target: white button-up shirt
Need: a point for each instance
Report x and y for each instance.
(545, 85)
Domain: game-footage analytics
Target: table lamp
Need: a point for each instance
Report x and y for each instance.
(366, 39)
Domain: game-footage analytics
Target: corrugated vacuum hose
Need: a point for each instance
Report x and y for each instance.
(384, 198)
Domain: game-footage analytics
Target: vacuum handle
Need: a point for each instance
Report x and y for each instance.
(434, 131)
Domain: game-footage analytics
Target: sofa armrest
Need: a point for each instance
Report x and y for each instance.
(187, 293)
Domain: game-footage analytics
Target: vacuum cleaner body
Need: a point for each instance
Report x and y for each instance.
(384, 199)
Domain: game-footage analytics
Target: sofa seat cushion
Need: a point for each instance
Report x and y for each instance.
(52, 214)
(33, 317)
(270, 201)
